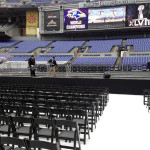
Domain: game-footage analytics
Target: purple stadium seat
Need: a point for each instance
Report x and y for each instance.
(96, 61)
(13, 1)
(57, 57)
(139, 44)
(7, 43)
(99, 46)
(28, 46)
(19, 58)
(137, 63)
(65, 46)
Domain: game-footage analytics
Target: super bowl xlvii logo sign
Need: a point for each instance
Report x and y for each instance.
(141, 21)
(76, 14)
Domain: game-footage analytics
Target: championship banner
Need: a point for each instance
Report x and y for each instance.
(76, 19)
(138, 15)
(31, 22)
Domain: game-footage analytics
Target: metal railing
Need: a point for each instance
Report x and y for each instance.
(13, 65)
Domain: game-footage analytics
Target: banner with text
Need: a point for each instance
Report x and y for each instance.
(138, 15)
(52, 21)
(76, 19)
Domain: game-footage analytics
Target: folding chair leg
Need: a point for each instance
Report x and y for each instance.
(74, 143)
(79, 142)
(84, 135)
(88, 130)
(51, 140)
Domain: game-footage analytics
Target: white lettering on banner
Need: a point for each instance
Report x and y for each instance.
(82, 26)
(76, 22)
(139, 22)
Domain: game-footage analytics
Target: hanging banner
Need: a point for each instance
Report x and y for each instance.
(75, 19)
(31, 22)
(52, 20)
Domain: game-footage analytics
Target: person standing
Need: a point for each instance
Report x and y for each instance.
(53, 65)
(31, 62)
(148, 65)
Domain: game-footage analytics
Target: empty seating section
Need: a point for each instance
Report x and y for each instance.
(41, 1)
(97, 61)
(70, 113)
(57, 57)
(7, 43)
(93, 64)
(72, 1)
(135, 63)
(28, 46)
(65, 46)
(59, 48)
(103, 46)
(13, 1)
(135, 60)
(20, 58)
(139, 44)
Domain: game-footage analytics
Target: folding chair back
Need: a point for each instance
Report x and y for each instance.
(22, 126)
(5, 127)
(12, 141)
(41, 144)
(68, 130)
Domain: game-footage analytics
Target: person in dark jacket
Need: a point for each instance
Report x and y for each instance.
(53, 65)
(32, 66)
(148, 65)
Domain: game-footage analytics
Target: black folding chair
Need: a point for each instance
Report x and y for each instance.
(33, 144)
(9, 110)
(59, 114)
(81, 116)
(5, 127)
(9, 143)
(44, 128)
(22, 126)
(68, 130)
(27, 112)
(42, 112)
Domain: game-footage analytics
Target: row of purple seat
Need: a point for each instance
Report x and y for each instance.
(7, 43)
(20, 58)
(13, 1)
(139, 44)
(96, 46)
(105, 46)
(65, 46)
(28, 46)
(135, 60)
(41, 58)
(57, 57)
(94, 60)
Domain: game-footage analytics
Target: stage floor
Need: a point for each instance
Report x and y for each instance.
(144, 75)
